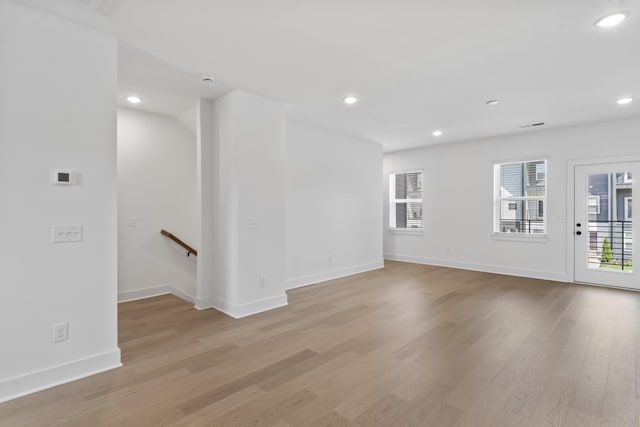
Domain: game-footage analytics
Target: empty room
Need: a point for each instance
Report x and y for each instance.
(319, 213)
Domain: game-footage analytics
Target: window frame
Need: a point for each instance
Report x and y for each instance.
(497, 200)
(393, 201)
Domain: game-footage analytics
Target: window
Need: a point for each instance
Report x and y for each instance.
(627, 242)
(628, 178)
(540, 171)
(405, 196)
(627, 208)
(593, 240)
(594, 205)
(520, 197)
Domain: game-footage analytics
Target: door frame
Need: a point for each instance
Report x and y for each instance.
(571, 213)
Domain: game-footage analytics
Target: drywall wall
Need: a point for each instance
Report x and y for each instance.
(210, 206)
(245, 219)
(458, 198)
(156, 190)
(57, 110)
(333, 205)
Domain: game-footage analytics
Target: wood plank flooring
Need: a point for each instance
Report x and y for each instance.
(408, 345)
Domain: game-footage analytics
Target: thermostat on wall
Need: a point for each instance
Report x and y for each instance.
(62, 176)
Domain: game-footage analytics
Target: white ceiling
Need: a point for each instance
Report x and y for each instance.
(417, 65)
(163, 88)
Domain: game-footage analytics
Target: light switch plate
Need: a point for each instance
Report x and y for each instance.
(65, 233)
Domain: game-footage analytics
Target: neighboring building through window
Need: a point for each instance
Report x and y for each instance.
(520, 197)
(594, 205)
(405, 196)
(627, 208)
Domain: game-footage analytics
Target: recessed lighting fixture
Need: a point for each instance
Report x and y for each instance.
(493, 102)
(350, 100)
(624, 101)
(134, 99)
(437, 133)
(611, 20)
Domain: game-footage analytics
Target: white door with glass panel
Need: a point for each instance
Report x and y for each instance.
(603, 226)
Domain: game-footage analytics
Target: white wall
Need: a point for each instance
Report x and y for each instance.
(157, 187)
(458, 198)
(246, 155)
(210, 206)
(57, 110)
(334, 204)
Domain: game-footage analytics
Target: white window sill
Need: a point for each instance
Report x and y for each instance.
(517, 237)
(406, 231)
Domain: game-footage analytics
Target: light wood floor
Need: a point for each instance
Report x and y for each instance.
(409, 345)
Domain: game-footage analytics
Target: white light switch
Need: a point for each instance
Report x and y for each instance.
(133, 222)
(63, 233)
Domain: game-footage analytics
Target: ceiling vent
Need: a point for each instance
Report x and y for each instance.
(532, 125)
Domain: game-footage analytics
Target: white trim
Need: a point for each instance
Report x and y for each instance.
(182, 294)
(393, 201)
(626, 208)
(406, 231)
(255, 307)
(570, 208)
(203, 303)
(525, 159)
(496, 269)
(571, 164)
(22, 385)
(498, 198)
(154, 291)
(137, 294)
(521, 237)
(313, 279)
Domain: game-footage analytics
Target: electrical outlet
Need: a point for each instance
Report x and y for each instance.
(60, 332)
(262, 282)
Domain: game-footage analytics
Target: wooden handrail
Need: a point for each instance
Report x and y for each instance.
(189, 249)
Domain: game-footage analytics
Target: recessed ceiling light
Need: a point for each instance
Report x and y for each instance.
(493, 102)
(624, 101)
(134, 99)
(611, 20)
(350, 100)
(437, 133)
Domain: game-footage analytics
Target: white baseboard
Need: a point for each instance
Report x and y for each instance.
(182, 295)
(255, 307)
(15, 387)
(144, 293)
(203, 303)
(311, 279)
(497, 269)
(154, 291)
